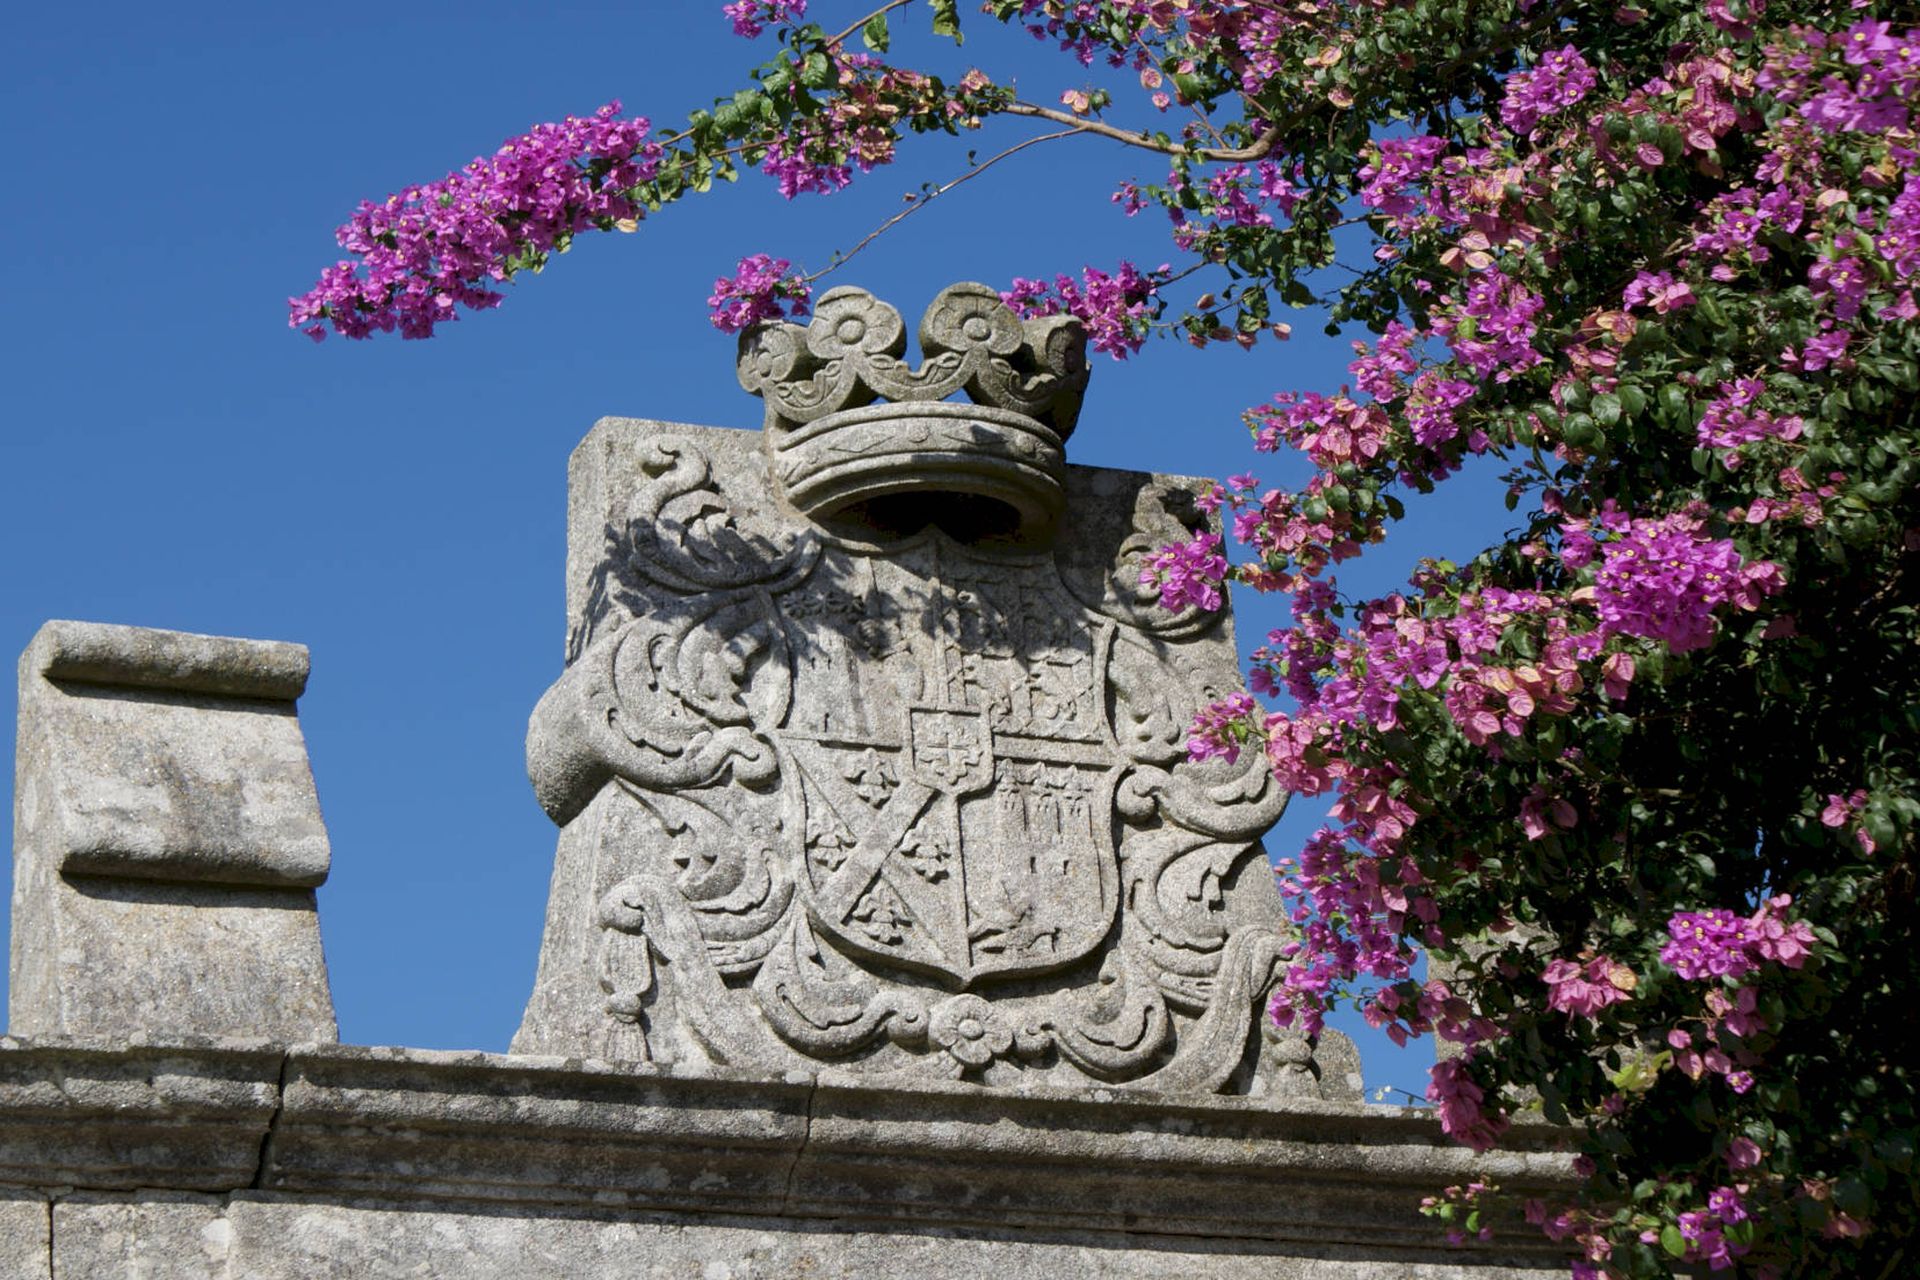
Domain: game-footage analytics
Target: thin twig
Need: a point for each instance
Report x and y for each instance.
(922, 202)
(1261, 146)
(885, 8)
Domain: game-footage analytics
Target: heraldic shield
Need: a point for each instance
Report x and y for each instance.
(959, 822)
(897, 798)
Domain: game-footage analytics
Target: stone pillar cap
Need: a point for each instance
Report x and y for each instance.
(147, 658)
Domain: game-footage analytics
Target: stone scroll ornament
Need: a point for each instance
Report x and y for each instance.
(871, 752)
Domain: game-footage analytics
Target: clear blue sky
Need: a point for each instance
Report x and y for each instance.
(172, 455)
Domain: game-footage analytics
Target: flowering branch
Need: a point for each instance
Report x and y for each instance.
(1259, 149)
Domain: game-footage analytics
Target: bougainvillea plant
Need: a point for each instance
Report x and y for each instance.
(1639, 781)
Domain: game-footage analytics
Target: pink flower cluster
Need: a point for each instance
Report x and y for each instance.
(1117, 309)
(1460, 1103)
(1879, 96)
(1583, 990)
(1188, 574)
(1431, 405)
(1218, 729)
(1843, 811)
(1235, 195)
(761, 288)
(1731, 420)
(1330, 430)
(1798, 500)
(1576, 1224)
(1738, 1014)
(751, 17)
(432, 248)
(1658, 290)
(1704, 1230)
(1377, 898)
(1384, 182)
(1491, 332)
(1716, 943)
(1663, 579)
(858, 126)
(1558, 81)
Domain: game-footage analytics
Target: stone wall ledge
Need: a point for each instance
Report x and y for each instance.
(478, 1132)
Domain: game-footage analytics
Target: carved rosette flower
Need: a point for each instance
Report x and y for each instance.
(852, 322)
(971, 1030)
(967, 316)
(769, 355)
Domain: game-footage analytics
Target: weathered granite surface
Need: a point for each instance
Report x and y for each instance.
(288, 1242)
(167, 839)
(154, 1235)
(25, 1242)
(249, 1237)
(898, 796)
(332, 1160)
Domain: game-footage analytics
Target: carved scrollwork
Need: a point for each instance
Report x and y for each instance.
(916, 812)
(730, 871)
(642, 913)
(824, 1007)
(1120, 1027)
(594, 726)
(684, 534)
(1213, 1047)
(1111, 583)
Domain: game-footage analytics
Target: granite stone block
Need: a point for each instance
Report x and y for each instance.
(125, 1115)
(153, 1235)
(276, 1240)
(167, 839)
(24, 1238)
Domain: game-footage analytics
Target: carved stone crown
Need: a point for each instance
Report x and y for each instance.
(832, 448)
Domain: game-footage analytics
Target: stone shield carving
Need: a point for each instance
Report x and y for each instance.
(906, 805)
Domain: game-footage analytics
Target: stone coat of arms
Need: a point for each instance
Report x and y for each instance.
(870, 752)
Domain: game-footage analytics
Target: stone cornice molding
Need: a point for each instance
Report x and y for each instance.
(568, 1137)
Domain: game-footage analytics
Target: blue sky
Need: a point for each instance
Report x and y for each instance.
(172, 455)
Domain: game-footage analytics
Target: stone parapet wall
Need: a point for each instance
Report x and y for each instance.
(240, 1160)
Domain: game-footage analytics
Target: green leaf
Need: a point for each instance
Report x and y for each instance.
(1850, 1195)
(875, 33)
(1672, 1241)
(1606, 409)
(946, 19)
(1673, 402)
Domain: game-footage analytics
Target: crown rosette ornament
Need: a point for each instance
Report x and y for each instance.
(850, 423)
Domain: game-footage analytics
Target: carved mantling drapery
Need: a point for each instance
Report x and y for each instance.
(912, 804)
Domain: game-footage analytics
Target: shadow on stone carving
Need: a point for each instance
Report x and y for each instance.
(871, 750)
(855, 792)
